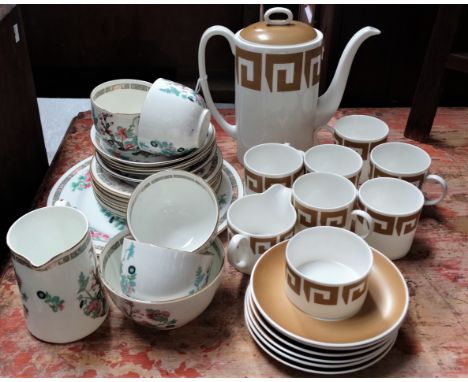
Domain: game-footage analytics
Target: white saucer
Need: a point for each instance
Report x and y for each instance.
(75, 187)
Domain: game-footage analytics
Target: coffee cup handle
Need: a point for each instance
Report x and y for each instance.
(369, 220)
(239, 253)
(325, 127)
(443, 184)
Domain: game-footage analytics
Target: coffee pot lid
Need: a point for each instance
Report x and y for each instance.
(283, 31)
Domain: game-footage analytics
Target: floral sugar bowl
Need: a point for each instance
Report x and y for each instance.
(55, 267)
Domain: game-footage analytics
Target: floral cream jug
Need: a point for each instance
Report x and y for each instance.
(56, 270)
(277, 72)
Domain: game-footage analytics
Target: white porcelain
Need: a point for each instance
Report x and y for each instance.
(323, 199)
(321, 360)
(116, 107)
(174, 209)
(335, 159)
(258, 222)
(407, 162)
(395, 205)
(323, 262)
(330, 354)
(318, 369)
(278, 101)
(174, 120)
(271, 163)
(154, 273)
(75, 187)
(361, 133)
(161, 315)
(56, 270)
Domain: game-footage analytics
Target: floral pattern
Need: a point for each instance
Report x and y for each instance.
(121, 137)
(222, 200)
(82, 182)
(183, 92)
(55, 302)
(200, 280)
(98, 236)
(155, 318)
(128, 280)
(117, 221)
(91, 296)
(168, 149)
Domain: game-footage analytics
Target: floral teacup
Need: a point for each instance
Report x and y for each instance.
(174, 120)
(116, 107)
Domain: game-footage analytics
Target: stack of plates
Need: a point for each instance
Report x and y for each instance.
(116, 173)
(324, 347)
(133, 167)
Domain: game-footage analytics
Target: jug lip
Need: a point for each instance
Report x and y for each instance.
(283, 48)
(238, 230)
(56, 259)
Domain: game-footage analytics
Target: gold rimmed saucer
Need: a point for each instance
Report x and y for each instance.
(382, 313)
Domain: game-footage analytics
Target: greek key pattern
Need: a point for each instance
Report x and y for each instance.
(261, 245)
(363, 149)
(323, 294)
(310, 217)
(283, 72)
(257, 183)
(388, 225)
(376, 172)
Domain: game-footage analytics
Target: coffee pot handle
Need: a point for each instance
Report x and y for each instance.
(216, 30)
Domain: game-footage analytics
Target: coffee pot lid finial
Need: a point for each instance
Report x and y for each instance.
(278, 31)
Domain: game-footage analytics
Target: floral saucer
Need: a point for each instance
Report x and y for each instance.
(75, 187)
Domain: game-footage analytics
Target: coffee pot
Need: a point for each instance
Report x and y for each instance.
(277, 72)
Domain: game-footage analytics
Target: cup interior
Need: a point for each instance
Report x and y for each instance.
(259, 216)
(391, 196)
(174, 210)
(400, 158)
(273, 159)
(329, 255)
(324, 191)
(121, 96)
(46, 232)
(361, 128)
(332, 158)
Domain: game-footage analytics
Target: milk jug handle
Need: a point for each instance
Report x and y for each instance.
(216, 30)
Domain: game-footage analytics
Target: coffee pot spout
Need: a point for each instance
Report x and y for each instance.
(329, 102)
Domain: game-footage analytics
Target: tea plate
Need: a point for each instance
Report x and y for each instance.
(141, 158)
(316, 370)
(329, 355)
(322, 359)
(75, 187)
(382, 313)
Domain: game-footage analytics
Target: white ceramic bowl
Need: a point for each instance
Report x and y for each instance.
(161, 315)
(174, 209)
(116, 107)
(150, 272)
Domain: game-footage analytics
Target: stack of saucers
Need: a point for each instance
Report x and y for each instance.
(302, 342)
(134, 166)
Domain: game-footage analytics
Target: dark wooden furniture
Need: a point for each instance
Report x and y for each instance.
(23, 158)
(431, 81)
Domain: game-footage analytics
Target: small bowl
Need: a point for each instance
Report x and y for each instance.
(150, 272)
(161, 315)
(174, 209)
(116, 107)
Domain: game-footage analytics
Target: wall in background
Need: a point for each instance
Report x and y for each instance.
(75, 47)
